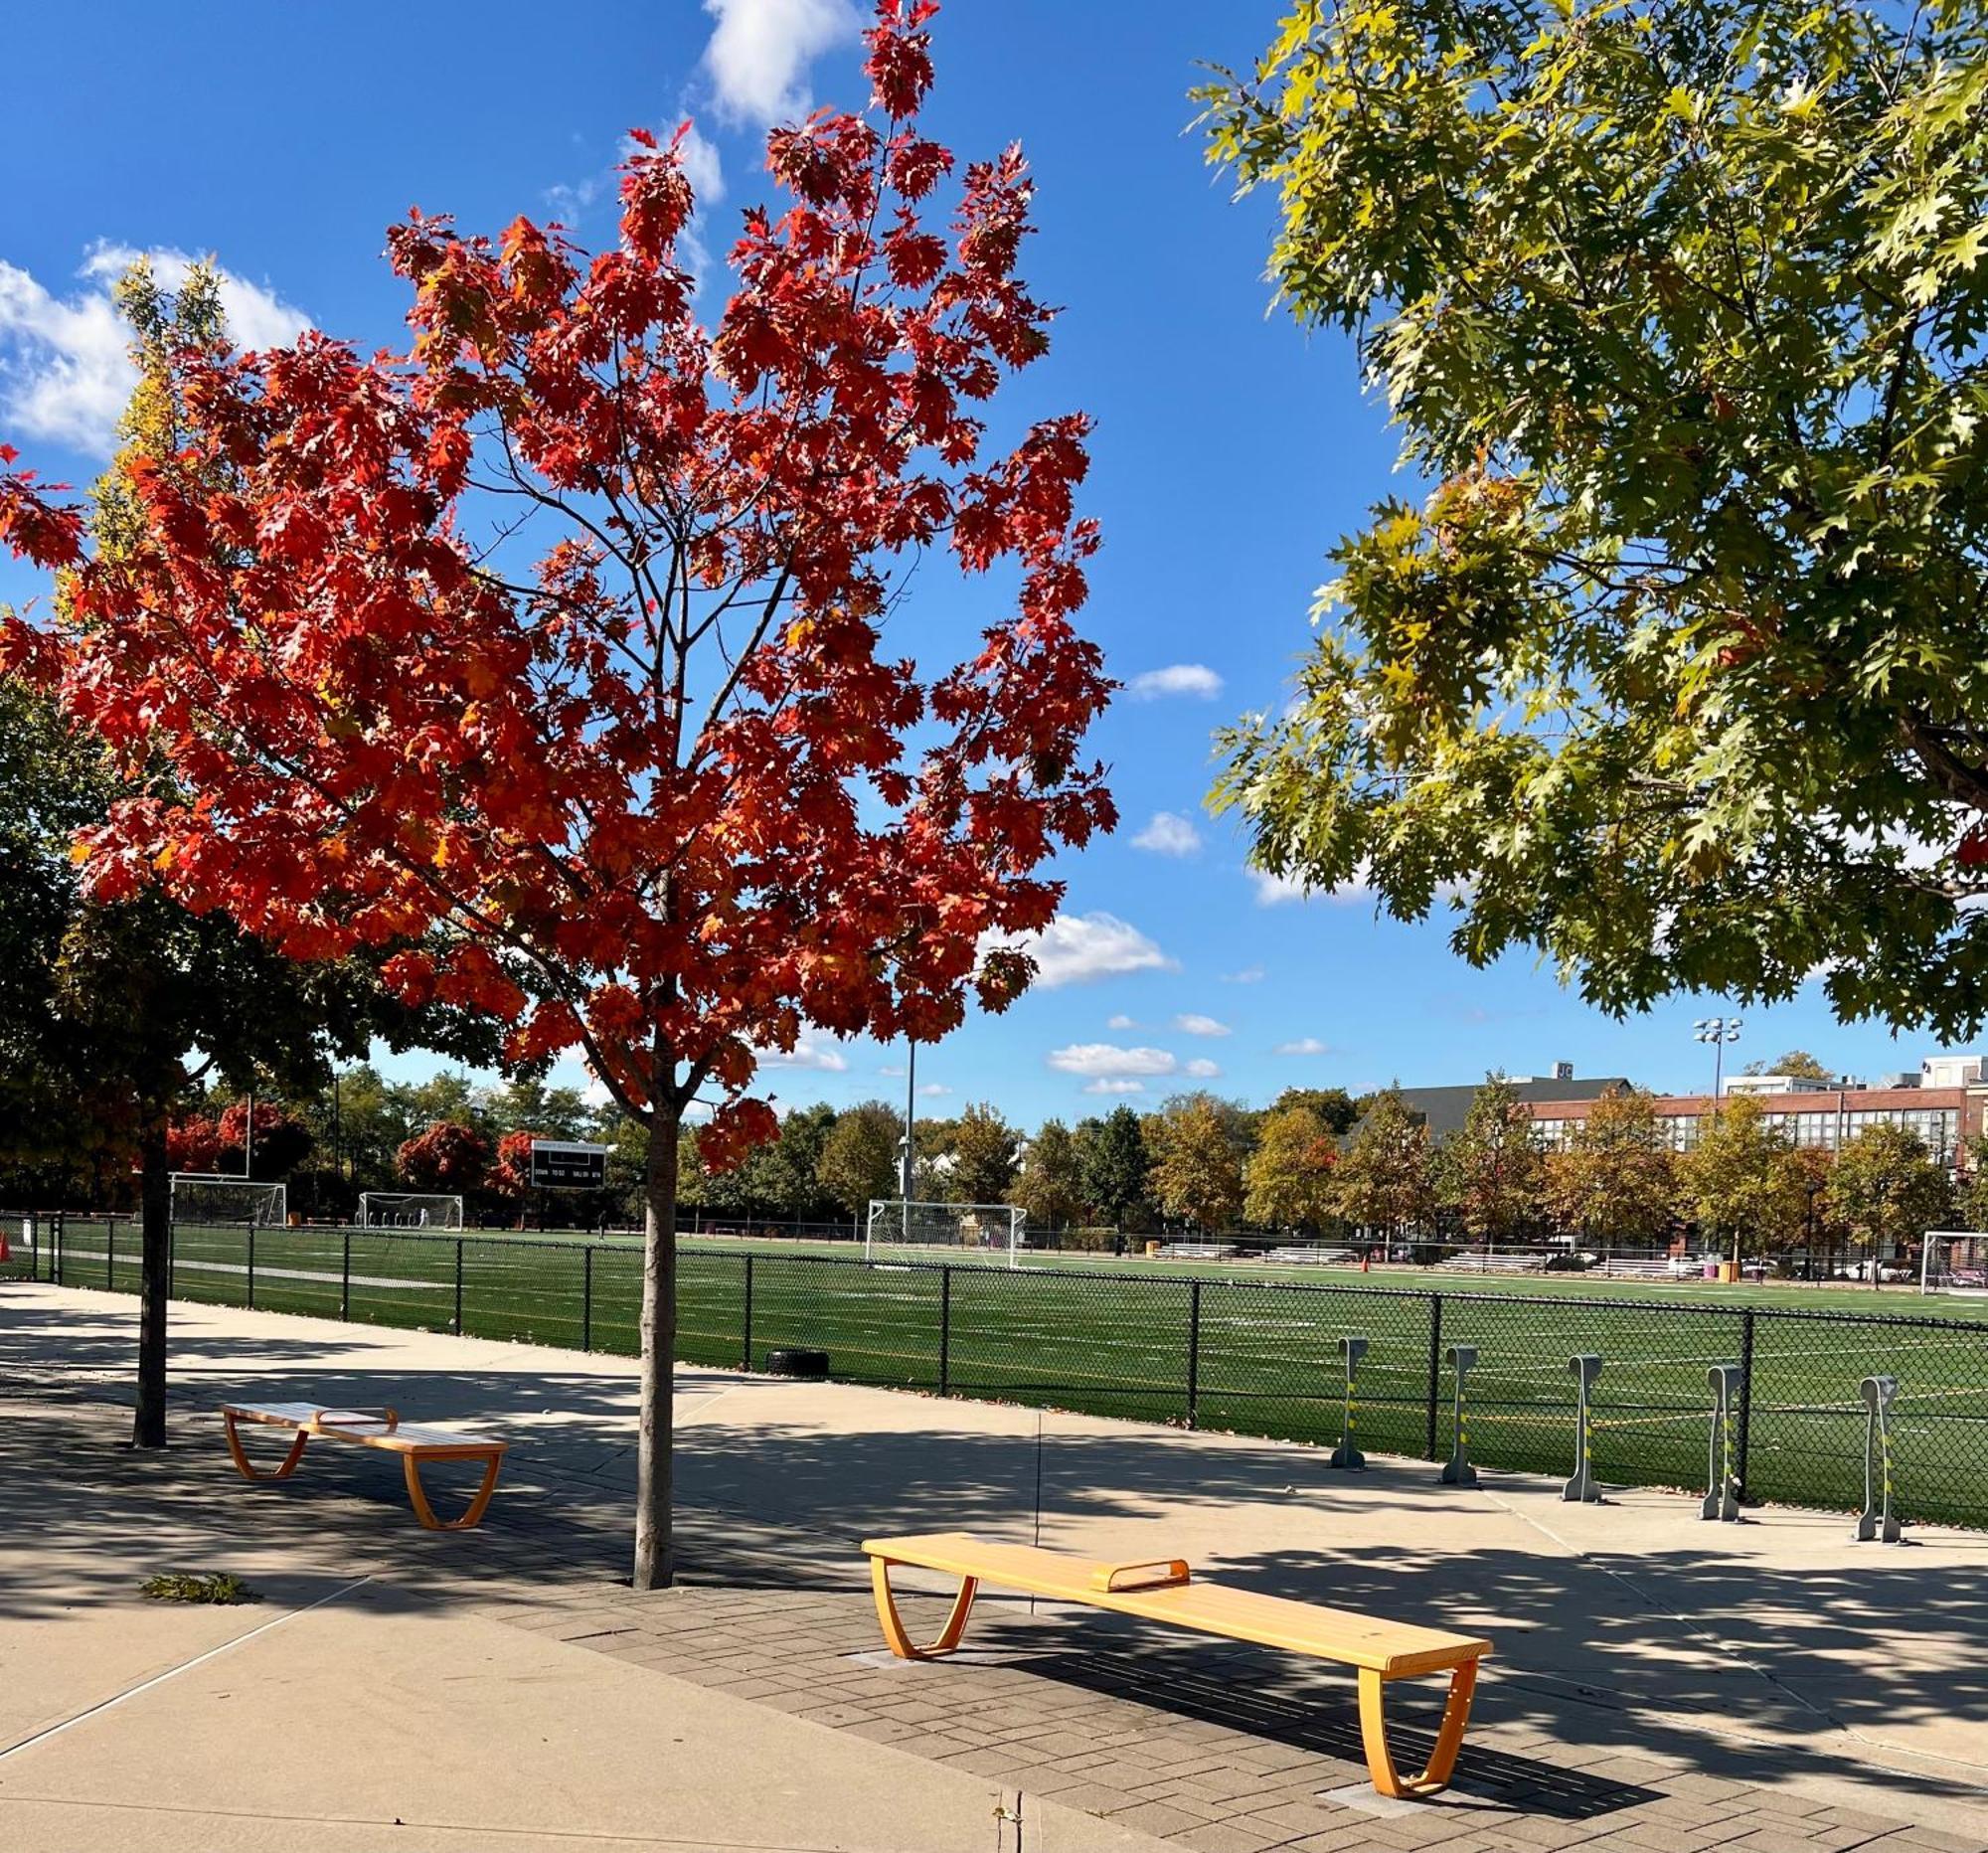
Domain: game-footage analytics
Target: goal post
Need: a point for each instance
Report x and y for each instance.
(207, 1197)
(1954, 1261)
(408, 1209)
(991, 1228)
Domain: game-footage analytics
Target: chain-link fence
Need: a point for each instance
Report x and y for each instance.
(1250, 1357)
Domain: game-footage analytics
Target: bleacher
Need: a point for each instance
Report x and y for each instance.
(1306, 1254)
(1512, 1261)
(1193, 1251)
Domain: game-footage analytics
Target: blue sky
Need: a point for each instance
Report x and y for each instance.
(1231, 447)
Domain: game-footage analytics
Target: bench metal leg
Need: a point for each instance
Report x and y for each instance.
(249, 1471)
(1449, 1738)
(418, 1495)
(899, 1641)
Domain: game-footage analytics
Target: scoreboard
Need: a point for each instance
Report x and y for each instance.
(567, 1164)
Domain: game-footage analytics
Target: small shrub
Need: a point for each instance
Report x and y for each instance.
(187, 1586)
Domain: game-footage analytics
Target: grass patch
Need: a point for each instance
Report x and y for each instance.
(192, 1585)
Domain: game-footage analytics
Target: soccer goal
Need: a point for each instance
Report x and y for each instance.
(1954, 1260)
(406, 1208)
(985, 1227)
(205, 1197)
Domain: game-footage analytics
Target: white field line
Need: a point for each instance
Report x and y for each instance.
(181, 1262)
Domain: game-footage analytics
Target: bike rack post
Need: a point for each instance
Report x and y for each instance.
(1587, 1367)
(1457, 1470)
(1722, 1478)
(1877, 1520)
(1351, 1351)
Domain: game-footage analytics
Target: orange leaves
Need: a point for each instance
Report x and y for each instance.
(656, 197)
(31, 527)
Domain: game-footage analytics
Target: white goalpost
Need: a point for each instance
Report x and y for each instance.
(1954, 1261)
(213, 1197)
(408, 1209)
(992, 1228)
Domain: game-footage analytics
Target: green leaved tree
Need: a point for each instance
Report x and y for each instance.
(1116, 1163)
(1050, 1185)
(1678, 669)
(1384, 1179)
(1885, 1193)
(1490, 1171)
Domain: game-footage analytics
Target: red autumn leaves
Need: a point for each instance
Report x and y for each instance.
(569, 657)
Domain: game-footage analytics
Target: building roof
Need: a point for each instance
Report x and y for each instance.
(1443, 1109)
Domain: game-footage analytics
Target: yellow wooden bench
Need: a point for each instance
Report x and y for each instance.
(1165, 1590)
(371, 1428)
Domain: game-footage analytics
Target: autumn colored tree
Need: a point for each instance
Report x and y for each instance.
(859, 1157)
(1382, 1180)
(1885, 1192)
(660, 794)
(283, 1142)
(192, 1143)
(510, 1174)
(1615, 1180)
(1489, 1171)
(448, 1159)
(1289, 1175)
(1797, 1064)
(983, 1148)
(1196, 1174)
(1737, 1182)
(1050, 1185)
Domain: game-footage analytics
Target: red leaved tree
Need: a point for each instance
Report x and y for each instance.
(448, 1159)
(192, 1143)
(634, 769)
(281, 1140)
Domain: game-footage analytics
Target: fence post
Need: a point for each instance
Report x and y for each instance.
(110, 1252)
(945, 1329)
(586, 1298)
(1745, 1402)
(456, 1328)
(746, 1337)
(1434, 1370)
(1192, 1351)
(345, 1280)
(251, 1265)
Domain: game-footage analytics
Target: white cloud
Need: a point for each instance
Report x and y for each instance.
(1305, 1045)
(1191, 1024)
(896, 1072)
(1202, 1069)
(1075, 948)
(1176, 679)
(760, 50)
(1123, 1022)
(1274, 889)
(932, 1090)
(1115, 1086)
(1108, 1060)
(66, 368)
(1169, 834)
(805, 1053)
(1249, 974)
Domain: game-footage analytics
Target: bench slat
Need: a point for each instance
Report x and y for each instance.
(404, 1437)
(1394, 1649)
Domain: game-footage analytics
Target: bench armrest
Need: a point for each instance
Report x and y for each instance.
(1159, 1574)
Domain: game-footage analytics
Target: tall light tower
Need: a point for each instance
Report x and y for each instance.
(1719, 1031)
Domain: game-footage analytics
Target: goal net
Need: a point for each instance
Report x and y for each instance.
(991, 1228)
(404, 1209)
(1954, 1260)
(201, 1197)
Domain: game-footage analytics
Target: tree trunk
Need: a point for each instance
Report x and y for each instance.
(654, 1467)
(155, 1196)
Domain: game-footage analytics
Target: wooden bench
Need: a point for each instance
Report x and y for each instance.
(1381, 1652)
(371, 1428)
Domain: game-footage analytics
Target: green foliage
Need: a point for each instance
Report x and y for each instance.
(859, 1157)
(1738, 1183)
(189, 1585)
(1489, 1172)
(1885, 1190)
(1116, 1164)
(984, 1148)
(1337, 1108)
(1050, 1187)
(1680, 671)
(1797, 1063)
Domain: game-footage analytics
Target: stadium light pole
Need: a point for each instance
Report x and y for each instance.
(910, 1113)
(1719, 1031)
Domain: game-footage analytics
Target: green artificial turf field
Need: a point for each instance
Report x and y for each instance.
(1234, 1346)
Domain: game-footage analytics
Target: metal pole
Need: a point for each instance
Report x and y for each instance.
(252, 1264)
(910, 1122)
(945, 1329)
(457, 1327)
(1435, 1371)
(248, 1139)
(345, 1280)
(746, 1344)
(1192, 1351)
(586, 1298)
(1743, 1429)
(109, 1252)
